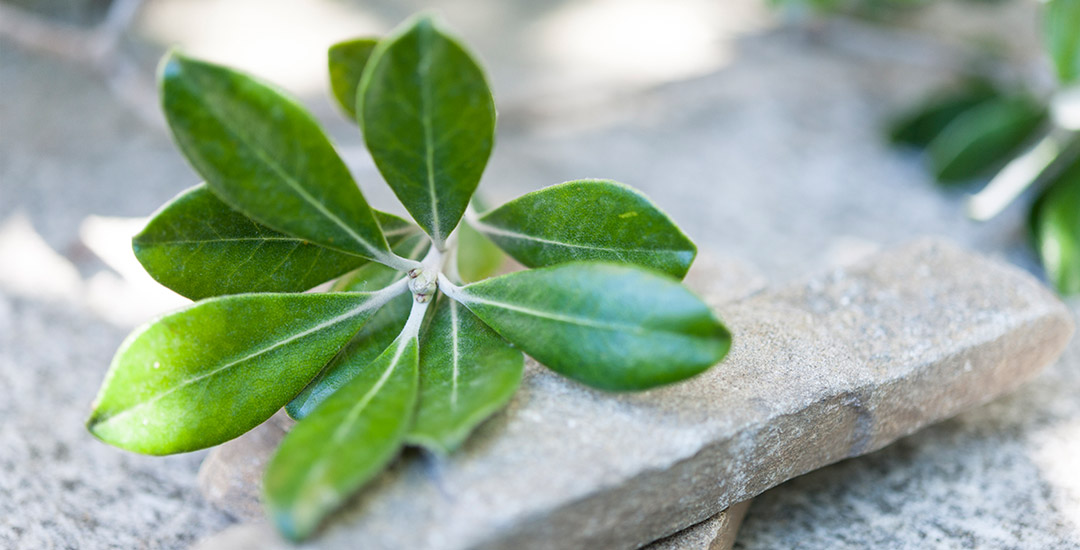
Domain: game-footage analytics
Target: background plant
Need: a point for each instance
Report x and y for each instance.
(401, 350)
(1015, 137)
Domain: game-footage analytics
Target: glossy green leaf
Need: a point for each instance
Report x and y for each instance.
(347, 61)
(264, 155)
(611, 326)
(467, 372)
(589, 220)
(344, 442)
(211, 372)
(199, 247)
(1062, 30)
(429, 120)
(477, 257)
(1057, 230)
(985, 138)
(919, 127)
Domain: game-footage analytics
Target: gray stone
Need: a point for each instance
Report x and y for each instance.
(1003, 475)
(715, 533)
(836, 367)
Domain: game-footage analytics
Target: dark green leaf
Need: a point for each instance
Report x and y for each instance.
(589, 220)
(345, 441)
(199, 247)
(429, 120)
(477, 257)
(211, 372)
(1057, 230)
(984, 138)
(467, 372)
(347, 61)
(919, 127)
(265, 156)
(612, 326)
(1063, 38)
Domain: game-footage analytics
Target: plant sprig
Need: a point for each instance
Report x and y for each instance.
(415, 344)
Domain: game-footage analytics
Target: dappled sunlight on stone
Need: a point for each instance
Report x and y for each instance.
(641, 42)
(31, 268)
(129, 296)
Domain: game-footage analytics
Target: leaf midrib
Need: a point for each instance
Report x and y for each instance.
(568, 319)
(501, 232)
(423, 74)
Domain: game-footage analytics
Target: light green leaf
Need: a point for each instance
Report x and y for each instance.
(477, 257)
(211, 372)
(347, 60)
(1062, 30)
(264, 155)
(199, 247)
(344, 442)
(1057, 229)
(611, 326)
(467, 372)
(985, 137)
(429, 120)
(919, 127)
(589, 220)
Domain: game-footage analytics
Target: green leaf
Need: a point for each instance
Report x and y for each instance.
(477, 257)
(348, 439)
(199, 247)
(919, 127)
(265, 156)
(467, 372)
(347, 61)
(429, 120)
(369, 343)
(589, 220)
(211, 372)
(985, 138)
(1062, 30)
(611, 326)
(1057, 230)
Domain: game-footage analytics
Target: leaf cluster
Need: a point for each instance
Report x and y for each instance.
(978, 130)
(415, 342)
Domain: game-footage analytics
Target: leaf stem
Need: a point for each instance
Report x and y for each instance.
(452, 291)
(416, 317)
(398, 263)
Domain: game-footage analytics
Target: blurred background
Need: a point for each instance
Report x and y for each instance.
(762, 127)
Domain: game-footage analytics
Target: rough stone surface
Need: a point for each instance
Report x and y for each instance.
(59, 487)
(836, 367)
(1003, 475)
(715, 533)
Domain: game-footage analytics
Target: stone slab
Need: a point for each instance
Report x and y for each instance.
(1003, 475)
(835, 367)
(715, 533)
